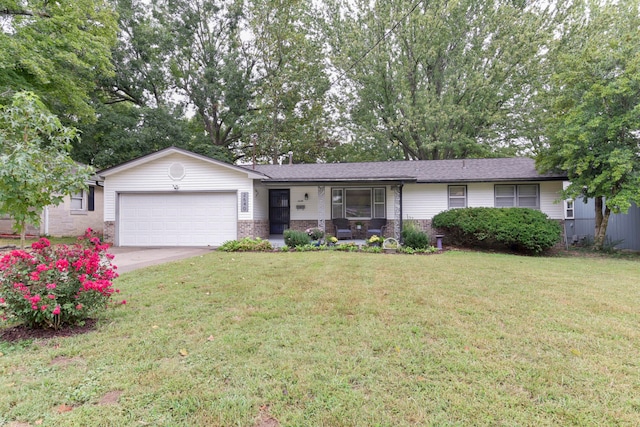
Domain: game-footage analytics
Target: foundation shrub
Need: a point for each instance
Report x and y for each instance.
(517, 229)
(413, 237)
(293, 238)
(246, 245)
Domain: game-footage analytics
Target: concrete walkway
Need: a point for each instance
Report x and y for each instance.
(132, 258)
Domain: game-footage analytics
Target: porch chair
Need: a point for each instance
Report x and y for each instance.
(343, 228)
(377, 227)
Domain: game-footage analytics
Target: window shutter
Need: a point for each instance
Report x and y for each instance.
(91, 202)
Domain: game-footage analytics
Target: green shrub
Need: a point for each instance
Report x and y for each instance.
(518, 229)
(246, 245)
(413, 237)
(293, 238)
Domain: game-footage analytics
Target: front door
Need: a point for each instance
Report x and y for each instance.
(278, 211)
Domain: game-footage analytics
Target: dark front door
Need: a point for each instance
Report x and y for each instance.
(278, 211)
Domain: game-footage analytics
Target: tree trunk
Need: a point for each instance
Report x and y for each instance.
(602, 220)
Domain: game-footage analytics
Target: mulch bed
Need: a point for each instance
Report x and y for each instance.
(21, 332)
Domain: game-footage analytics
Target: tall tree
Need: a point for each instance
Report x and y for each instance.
(291, 82)
(437, 79)
(138, 110)
(592, 126)
(56, 49)
(209, 63)
(37, 170)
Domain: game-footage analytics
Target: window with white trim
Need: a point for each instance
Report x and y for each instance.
(521, 196)
(78, 201)
(457, 196)
(358, 203)
(568, 209)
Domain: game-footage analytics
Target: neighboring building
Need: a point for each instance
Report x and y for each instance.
(178, 198)
(623, 230)
(72, 217)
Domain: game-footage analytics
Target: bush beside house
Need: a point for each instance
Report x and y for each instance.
(519, 229)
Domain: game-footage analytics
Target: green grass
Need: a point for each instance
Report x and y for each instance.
(347, 339)
(29, 241)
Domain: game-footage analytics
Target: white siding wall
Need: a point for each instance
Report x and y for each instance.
(154, 177)
(302, 209)
(424, 201)
(550, 199)
(261, 201)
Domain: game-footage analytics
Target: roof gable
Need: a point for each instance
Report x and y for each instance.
(175, 150)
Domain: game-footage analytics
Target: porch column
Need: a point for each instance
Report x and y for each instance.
(397, 211)
(321, 215)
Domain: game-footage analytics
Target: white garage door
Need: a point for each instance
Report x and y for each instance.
(177, 219)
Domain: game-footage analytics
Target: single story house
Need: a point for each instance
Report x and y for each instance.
(72, 217)
(174, 197)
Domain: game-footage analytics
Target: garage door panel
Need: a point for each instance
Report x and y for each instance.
(183, 219)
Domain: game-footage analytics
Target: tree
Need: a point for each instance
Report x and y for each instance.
(438, 79)
(124, 131)
(56, 49)
(290, 82)
(592, 126)
(209, 63)
(37, 170)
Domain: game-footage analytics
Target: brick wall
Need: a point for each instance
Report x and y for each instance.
(109, 232)
(303, 225)
(253, 229)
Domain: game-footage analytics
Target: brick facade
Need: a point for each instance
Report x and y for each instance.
(253, 229)
(109, 232)
(303, 225)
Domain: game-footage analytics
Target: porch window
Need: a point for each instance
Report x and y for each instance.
(457, 196)
(521, 196)
(361, 203)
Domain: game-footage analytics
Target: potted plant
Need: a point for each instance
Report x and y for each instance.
(316, 234)
(358, 225)
(375, 240)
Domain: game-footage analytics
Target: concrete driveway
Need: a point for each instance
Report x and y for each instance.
(133, 258)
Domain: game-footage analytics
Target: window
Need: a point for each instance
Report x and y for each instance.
(457, 196)
(358, 203)
(77, 201)
(521, 196)
(568, 209)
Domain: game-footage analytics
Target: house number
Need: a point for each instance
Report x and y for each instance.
(244, 201)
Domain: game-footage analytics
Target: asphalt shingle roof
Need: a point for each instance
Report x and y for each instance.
(424, 171)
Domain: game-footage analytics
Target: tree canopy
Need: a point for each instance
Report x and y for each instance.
(56, 49)
(438, 79)
(592, 104)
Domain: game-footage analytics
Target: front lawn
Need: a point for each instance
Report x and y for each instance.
(345, 339)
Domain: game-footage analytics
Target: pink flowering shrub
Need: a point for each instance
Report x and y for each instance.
(52, 286)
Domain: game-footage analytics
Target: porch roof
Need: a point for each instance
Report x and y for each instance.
(421, 171)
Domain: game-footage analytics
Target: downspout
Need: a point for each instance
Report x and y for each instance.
(401, 215)
(46, 220)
